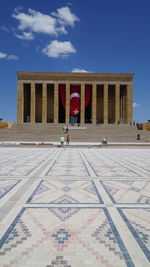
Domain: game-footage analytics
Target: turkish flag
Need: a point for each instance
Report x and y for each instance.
(75, 97)
(74, 100)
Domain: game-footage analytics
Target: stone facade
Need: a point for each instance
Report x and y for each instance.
(39, 97)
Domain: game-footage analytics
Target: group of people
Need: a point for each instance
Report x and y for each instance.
(62, 139)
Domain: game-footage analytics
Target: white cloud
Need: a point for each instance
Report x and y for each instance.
(135, 105)
(12, 57)
(4, 28)
(80, 70)
(38, 22)
(65, 16)
(18, 8)
(59, 49)
(25, 36)
(4, 55)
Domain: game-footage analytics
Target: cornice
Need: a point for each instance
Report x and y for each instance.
(71, 76)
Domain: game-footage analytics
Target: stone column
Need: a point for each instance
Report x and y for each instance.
(82, 104)
(67, 103)
(129, 108)
(94, 102)
(32, 112)
(44, 102)
(105, 103)
(56, 96)
(20, 103)
(117, 103)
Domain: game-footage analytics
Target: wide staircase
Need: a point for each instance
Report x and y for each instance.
(51, 133)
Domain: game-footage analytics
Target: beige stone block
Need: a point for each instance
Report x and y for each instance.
(70, 76)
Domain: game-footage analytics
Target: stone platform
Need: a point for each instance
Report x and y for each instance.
(65, 207)
(47, 132)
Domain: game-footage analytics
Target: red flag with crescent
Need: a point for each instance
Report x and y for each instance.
(75, 97)
(74, 100)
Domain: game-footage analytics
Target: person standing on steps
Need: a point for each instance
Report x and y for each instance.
(138, 137)
(67, 129)
(67, 139)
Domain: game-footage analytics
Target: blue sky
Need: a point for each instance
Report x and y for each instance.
(67, 35)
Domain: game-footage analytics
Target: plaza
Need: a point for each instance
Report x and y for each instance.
(74, 134)
(74, 207)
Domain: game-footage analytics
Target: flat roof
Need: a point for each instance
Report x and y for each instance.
(74, 76)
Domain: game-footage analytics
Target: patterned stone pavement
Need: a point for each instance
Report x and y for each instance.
(69, 207)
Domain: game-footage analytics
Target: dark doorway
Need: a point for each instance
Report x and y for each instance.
(27, 100)
(123, 93)
(100, 104)
(38, 102)
(62, 103)
(111, 103)
(50, 103)
(88, 103)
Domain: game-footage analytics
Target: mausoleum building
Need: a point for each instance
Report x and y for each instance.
(66, 97)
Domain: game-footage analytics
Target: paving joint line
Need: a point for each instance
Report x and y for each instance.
(10, 204)
(119, 223)
(135, 168)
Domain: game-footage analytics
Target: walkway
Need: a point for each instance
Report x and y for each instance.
(71, 207)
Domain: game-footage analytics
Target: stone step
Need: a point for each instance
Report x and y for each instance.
(92, 133)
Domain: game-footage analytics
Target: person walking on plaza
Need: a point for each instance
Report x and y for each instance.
(61, 139)
(104, 141)
(67, 139)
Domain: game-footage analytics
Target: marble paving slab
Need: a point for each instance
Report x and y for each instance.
(73, 207)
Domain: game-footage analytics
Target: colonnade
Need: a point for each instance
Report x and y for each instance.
(115, 107)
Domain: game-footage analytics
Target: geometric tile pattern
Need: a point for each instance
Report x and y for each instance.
(105, 166)
(18, 236)
(59, 261)
(141, 160)
(69, 164)
(60, 192)
(64, 213)
(105, 236)
(51, 236)
(140, 228)
(135, 192)
(6, 185)
(65, 207)
(21, 163)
